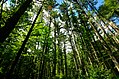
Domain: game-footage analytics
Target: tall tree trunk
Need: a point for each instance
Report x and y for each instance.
(12, 21)
(65, 56)
(22, 47)
(55, 59)
(42, 75)
(42, 60)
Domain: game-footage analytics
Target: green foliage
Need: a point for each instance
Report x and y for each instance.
(109, 8)
(64, 45)
(99, 72)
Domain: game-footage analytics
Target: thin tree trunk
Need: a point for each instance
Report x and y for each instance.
(42, 60)
(65, 56)
(55, 59)
(42, 75)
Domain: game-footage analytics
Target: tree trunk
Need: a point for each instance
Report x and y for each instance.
(22, 47)
(65, 56)
(12, 21)
(55, 59)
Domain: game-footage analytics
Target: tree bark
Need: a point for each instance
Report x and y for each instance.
(12, 21)
(65, 56)
(55, 57)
